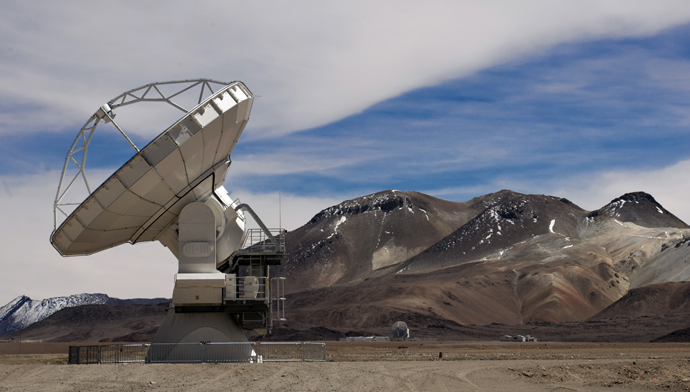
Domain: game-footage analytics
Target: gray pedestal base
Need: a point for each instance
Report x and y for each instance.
(199, 327)
(200, 337)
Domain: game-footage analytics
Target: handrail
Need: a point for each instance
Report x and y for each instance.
(245, 207)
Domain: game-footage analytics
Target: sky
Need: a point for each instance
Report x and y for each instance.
(585, 100)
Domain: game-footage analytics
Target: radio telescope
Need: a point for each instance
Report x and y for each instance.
(400, 331)
(172, 191)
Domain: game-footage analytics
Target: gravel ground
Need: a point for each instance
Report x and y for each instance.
(355, 366)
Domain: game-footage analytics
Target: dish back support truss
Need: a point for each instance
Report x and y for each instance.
(78, 151)
(220, 116)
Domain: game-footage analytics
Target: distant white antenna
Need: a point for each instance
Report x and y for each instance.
(280, 212)
(400, 331)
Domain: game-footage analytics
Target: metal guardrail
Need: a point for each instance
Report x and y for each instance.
(122, 353)
(314, 352)
(256, 240)
(277, 299)
(118, 353)
(203, 352)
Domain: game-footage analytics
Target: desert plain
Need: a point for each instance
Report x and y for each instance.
(374, 366)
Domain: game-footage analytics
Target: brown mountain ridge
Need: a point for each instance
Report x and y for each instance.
(505, 258)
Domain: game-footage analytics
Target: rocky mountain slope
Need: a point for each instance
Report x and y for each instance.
(23, 311)
(656, 300)
(97, 323)
(351, 240)
(502, 258)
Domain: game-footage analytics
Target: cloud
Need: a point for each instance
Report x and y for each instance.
(292, 211)
(667, 184)
(310, 62)
(299, 155)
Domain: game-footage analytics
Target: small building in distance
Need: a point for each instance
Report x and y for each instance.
(518, 338)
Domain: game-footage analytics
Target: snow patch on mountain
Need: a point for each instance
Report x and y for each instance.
(613, 208)
(335, 229)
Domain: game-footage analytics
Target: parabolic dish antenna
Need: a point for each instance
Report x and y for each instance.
(142, 199)
(400, 331)
(171, 191)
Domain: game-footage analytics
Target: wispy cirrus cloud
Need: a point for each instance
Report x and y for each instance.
(580, 109)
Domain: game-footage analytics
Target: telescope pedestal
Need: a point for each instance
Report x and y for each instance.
(199, 327)
(210, 306)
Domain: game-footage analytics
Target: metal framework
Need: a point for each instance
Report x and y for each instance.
(76, 156)
(202, 352)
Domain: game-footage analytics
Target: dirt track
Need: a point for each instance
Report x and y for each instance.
(380, 367)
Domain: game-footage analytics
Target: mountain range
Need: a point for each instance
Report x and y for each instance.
(459, 270)
(505, 258)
